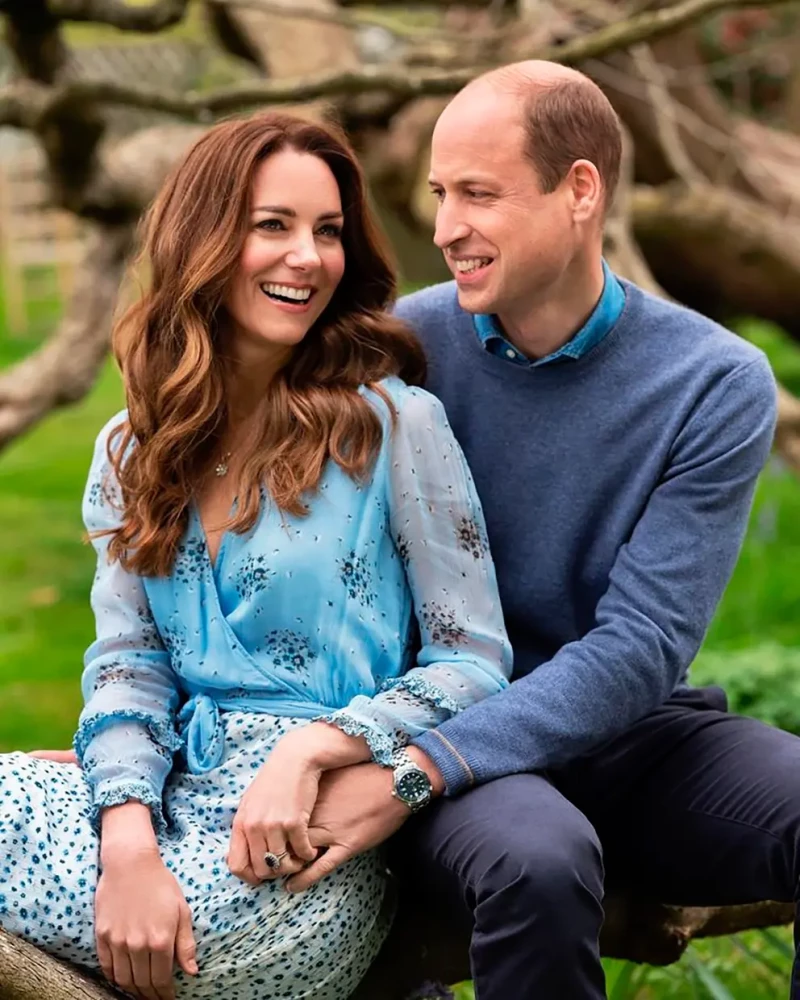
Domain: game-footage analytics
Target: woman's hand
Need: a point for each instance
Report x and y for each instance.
(59, 756)
(275, 810)
(142, 920)
(143, 925)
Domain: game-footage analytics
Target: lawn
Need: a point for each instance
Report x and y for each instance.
(45, 625)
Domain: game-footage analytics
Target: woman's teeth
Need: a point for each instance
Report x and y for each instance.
(465, 266)
(287, 292)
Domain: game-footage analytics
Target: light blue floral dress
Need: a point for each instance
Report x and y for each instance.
(193, 678)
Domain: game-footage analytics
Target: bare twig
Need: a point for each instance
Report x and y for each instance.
(663, 107)
(645, 27)
(118, 14)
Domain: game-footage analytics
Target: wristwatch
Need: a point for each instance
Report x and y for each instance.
(410, 783)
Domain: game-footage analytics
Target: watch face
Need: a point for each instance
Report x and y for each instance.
(413, 787)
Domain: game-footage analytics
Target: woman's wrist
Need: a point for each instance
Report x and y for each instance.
(325, 746)
(126, 829)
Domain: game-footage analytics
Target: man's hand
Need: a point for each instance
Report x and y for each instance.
(355, 811)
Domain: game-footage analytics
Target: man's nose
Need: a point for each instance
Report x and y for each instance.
(304, 253)
(450, 228)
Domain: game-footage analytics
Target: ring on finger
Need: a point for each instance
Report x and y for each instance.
(273, 861)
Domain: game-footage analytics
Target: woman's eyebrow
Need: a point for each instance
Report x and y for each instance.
(291, 214)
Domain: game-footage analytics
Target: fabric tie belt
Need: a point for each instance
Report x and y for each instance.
(203, 733)
(200, 728)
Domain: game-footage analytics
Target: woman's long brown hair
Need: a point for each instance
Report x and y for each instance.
(170, 346)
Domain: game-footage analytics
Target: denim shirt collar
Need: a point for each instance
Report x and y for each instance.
(604, 316)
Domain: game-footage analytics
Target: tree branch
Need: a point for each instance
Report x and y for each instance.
(427, 944)
(26, 973)
(644, 27)
(22, 104)
(69, 138)
(400, 82)
(663, 108)
(65, 368)
(345, 18)
(118, 14)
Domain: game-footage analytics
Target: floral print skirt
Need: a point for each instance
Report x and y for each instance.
(252, 943)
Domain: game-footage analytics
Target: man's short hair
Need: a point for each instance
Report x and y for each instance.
(567, 121)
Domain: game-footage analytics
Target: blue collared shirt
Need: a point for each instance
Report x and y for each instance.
(605, 315)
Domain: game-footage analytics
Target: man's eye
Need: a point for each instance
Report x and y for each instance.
(271, 225)
(438, 194)
(476, 195)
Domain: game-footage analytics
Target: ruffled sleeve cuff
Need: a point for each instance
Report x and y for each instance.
(126, 755)
(116, 793)
(380, 744)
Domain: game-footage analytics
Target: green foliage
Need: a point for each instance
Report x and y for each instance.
(782, 351)
(750, 966)
(763, 681)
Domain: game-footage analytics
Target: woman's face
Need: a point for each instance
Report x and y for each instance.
(292, 259)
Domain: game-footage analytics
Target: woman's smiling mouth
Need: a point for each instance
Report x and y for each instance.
(293, 298)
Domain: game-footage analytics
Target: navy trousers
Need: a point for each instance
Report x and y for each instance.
(691, 806)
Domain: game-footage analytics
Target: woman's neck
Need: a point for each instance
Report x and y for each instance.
(249, 376)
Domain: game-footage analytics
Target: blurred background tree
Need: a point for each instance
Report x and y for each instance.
(98, 99)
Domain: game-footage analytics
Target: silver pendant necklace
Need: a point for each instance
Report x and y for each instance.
(221, 469)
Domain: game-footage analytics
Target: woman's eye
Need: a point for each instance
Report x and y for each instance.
(271, 225)
(331, 230)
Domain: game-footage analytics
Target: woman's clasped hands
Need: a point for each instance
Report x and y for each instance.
(270, 836)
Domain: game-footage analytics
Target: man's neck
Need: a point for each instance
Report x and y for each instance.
(547, 325)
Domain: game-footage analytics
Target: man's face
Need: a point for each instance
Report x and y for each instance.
(504, 240)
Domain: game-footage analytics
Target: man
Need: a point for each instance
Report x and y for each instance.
(615, 441)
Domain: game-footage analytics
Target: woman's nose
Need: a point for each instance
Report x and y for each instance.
(303, 253)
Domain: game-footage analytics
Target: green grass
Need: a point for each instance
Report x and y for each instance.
(45, 569)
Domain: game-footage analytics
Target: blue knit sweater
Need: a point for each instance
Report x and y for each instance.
(616, 490)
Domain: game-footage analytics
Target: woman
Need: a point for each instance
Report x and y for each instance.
(270, 514)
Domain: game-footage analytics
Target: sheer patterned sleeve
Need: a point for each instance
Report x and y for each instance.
(439, 532)
(126, 735)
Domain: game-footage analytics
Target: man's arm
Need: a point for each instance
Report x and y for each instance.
(663, 590)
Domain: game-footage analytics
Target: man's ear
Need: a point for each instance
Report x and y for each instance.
(586, 189)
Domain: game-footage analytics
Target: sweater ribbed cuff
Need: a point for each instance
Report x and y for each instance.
(457, 774)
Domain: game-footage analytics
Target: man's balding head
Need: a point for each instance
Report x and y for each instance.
(524, 161)
(564, 116)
